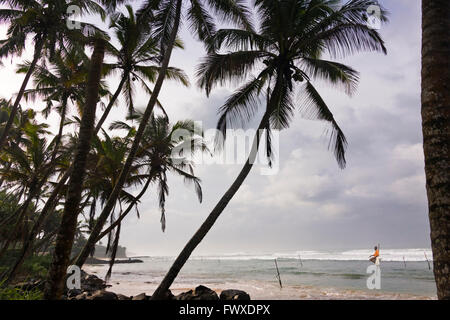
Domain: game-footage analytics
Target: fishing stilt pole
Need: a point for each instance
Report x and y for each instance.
(278, 274)
(426, 258)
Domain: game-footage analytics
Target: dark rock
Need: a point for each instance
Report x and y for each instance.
(92, 260)
(103, 295)
(185, 295)
(129, 261)
(232, 294)
(199, 293)
(167, 296)
(123, 297)
(82, 296)
(73, 293)
(91, 283)
(140, 296)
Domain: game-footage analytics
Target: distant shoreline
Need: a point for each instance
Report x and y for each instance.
(95, 261)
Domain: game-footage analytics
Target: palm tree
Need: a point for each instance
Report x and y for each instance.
(46, 22)
(29, 162)
(26, 152)
(436, 133)
(287, 51)
(155, 156)
(166, 17)
(58, 83)
(66, 232)
(137, 59)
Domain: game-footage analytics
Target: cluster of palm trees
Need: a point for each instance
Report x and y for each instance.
(53, 182)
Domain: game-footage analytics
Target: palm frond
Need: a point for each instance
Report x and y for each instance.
(222, 68)
(333, 72)
(314, 107)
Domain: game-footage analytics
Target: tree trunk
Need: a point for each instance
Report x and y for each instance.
(64, 241)
(59, 136)
(436, 133)
(7, 128)
(211, 219)
(136, 142)
(110, 105)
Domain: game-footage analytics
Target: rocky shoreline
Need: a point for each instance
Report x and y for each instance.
(94, 288)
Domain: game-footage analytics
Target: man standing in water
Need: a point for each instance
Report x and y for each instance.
(373, 258)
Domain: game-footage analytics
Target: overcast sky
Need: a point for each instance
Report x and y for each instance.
(310, 203)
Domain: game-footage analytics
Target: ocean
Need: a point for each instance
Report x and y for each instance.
(405, 274)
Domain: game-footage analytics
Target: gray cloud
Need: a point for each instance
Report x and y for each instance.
(310, 203)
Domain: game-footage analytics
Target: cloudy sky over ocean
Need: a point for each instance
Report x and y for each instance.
(311, 203)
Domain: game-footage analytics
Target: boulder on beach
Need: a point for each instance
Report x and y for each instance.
(91, 283)
(103, 295)
(233, 294)
(141, 296)
(81, 296)
(199, 293)
(123, 297)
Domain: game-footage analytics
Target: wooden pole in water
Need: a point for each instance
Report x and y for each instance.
(429, 267)
(278, 274)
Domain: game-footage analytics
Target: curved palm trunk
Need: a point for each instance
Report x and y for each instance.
(136, 142)
(58, 137)
(110, 105)
(7, 128)
(436, 133)
(211, 219)
(66, 233)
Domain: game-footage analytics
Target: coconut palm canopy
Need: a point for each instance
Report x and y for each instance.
(285, 57)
